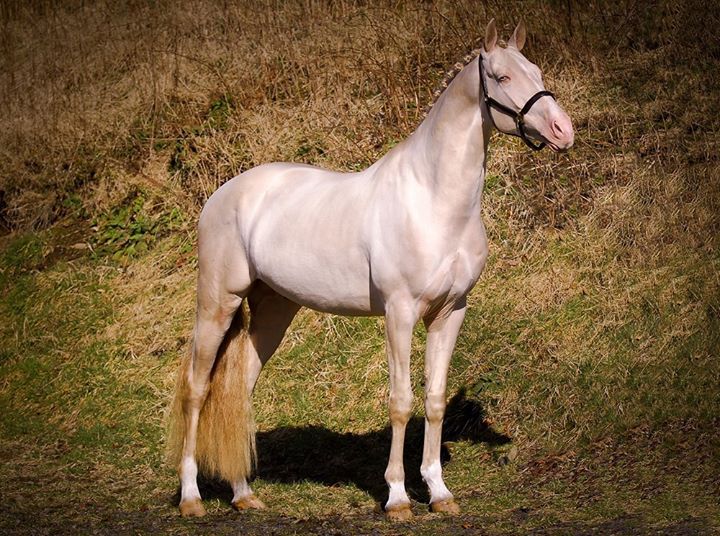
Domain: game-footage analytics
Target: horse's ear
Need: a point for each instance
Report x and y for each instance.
(490, 36)
(518, 37)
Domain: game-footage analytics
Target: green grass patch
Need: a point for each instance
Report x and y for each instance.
(68, 390)
(134, 226)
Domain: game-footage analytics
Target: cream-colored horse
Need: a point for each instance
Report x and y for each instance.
(403, 238)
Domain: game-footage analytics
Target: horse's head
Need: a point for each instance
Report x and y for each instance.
(516, 97)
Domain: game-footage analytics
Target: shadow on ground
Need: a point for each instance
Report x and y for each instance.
(314, 453)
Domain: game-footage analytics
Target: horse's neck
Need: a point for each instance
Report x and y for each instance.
(446, 154)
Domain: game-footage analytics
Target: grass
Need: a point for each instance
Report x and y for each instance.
(588, 359)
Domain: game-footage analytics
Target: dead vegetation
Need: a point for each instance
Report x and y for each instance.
(594, 327)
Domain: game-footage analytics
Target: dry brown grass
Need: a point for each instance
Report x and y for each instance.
(176, 98)
(596, 314)
(114, 83)
(209, 90)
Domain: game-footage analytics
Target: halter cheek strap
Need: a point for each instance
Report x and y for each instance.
(518, 117)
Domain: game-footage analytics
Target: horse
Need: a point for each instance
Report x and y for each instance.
(403, 238)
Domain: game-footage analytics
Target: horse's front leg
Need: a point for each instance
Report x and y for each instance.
(399, 323)
(442, 332)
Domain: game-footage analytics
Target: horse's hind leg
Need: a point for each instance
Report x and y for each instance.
(270, 316)
(214, 315)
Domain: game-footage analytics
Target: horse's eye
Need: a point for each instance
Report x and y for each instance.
(503, 79)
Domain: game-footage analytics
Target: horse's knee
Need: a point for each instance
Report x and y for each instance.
(400, 405)
(434, 406)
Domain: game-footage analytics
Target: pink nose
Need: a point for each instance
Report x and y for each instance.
(562, 131)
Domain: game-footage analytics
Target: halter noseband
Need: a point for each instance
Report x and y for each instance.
(519, 117)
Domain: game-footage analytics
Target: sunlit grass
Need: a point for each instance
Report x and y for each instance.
(591, 342)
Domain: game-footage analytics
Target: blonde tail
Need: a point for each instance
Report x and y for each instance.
(226, 430)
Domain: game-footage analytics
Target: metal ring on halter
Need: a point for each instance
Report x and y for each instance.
(519, 117)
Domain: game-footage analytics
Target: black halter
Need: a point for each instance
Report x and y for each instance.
(519, 117)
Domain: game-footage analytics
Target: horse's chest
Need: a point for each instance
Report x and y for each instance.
(452, 279)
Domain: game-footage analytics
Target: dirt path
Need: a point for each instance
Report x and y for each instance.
(521, 521)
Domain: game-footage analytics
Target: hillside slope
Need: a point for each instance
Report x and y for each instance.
(586, 373)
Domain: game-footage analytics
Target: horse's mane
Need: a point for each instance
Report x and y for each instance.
(450, 76)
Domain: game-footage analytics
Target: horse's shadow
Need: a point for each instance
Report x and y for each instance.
(313, 453)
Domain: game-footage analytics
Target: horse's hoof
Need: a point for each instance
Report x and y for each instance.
(448, 506)
(192, 508)
(249, 502)
(399, 512)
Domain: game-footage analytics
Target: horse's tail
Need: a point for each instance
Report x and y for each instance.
(226, 430)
